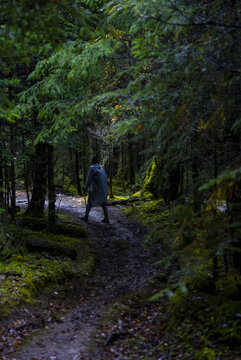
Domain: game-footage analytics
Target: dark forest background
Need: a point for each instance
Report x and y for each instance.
(152, 88)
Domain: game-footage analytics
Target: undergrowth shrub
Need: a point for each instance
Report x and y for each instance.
(202, 294)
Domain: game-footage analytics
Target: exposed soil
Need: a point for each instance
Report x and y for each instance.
(122, 267)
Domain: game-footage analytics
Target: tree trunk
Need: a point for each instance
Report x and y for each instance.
(111, 172)
(26, 173)
(12, 176)
(84, 160)
(77, 179)
(36, 205)
(1, 180)
(122, 167)
(51, 186)
(7, 190)
(26, 177)
(195, 161)
(174, 186)
(131, 166)
(3, 212)
(2, 199)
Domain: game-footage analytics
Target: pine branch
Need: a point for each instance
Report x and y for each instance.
(194, 23)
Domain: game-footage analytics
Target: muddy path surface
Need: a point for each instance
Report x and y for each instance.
(122, 267)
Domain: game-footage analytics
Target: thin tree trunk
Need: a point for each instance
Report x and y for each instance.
(51, 186)
(63, 175)
(215, 259)
(12, 176)
(26, 177)
(26, 173)
(122, 166)
(3, 213)
(13, 189)
(84, 162)
(111, 172)
(2, 200)
(1, 180)
(36, 205)
(195, 174)
(131, 166)
(187, 180)
(7, 189)
(77, 179)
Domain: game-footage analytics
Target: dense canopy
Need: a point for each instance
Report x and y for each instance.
(151, 87)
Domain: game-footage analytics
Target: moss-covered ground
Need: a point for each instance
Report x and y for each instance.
(24, 275)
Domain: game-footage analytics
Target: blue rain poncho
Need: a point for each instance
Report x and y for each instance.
(97, 183)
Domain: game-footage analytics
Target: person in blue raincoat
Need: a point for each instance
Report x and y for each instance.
(97, 183)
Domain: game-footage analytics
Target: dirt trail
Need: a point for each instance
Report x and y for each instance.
(122, 267)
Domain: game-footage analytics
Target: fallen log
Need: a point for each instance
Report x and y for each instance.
(124, 201)
(37, 245)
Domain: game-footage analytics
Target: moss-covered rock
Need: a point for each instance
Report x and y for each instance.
(71, 230)
(35, 223)
(52, 238)
(25, 275)
(40, 246)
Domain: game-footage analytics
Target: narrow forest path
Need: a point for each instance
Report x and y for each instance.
(122, 267)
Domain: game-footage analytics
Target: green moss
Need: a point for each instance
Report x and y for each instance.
(25, 275)
(117, 188)
(53, 238)
(71, 230)
(149, 212)
(34, 223)
(115, 197)
(205, 354)
(137, 194)
(151, 181)
(64, 217)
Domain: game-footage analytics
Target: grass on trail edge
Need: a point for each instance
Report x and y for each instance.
(179, 316)
(24, 275)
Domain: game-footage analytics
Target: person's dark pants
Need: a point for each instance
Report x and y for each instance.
(104, 207)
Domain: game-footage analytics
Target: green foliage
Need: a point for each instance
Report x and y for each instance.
(206, 354)
(159, 77)
(230, 285)
(70, 189)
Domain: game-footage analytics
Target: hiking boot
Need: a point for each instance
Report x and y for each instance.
(105, 221)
